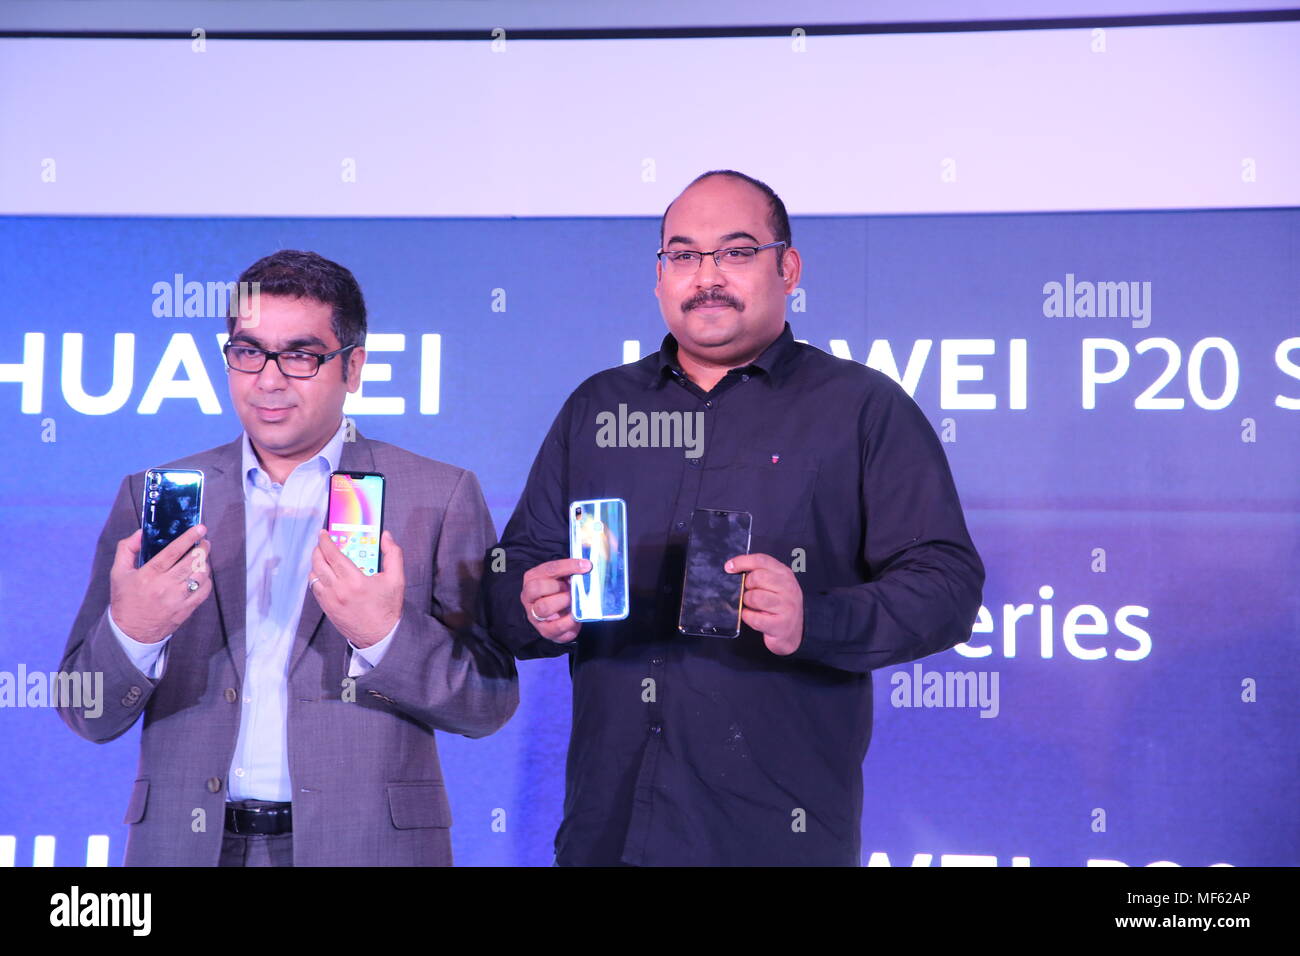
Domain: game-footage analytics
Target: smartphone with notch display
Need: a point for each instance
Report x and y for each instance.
(598, 533)
(173, 503)
(355, 516)
(712, 599)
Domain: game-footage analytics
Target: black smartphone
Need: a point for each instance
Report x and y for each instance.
(355, 516)
(712, 598)
(173, 503)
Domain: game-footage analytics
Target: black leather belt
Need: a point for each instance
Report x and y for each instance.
(259, 816)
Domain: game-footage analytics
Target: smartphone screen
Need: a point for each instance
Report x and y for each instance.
(356, 516)
(711, 598)
(598, 533)
(173, 503)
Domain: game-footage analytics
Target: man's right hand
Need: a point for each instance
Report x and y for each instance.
(546, 598)
(151, 602)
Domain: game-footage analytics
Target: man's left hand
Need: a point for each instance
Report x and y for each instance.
(364, 607)
(773, 601)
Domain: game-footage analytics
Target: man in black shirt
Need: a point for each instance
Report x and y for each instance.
(709, 751)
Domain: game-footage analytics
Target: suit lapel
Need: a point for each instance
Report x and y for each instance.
(356, 456)
(223, 513)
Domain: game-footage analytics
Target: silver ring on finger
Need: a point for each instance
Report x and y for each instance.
(312, 583)
(191, 585)
(533, 611)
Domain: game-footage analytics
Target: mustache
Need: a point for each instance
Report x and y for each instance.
(712, 297)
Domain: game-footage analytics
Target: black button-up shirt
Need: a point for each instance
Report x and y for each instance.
(706, 751)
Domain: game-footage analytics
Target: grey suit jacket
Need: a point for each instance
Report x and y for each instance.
(367, 785)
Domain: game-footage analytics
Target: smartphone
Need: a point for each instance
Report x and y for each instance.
(173, 503)
(355, 517)
(712, 598)
(598, 533)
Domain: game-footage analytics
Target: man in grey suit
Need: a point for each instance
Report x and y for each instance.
(291, 720)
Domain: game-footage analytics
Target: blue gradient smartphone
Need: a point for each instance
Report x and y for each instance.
(173, 503)
(598, 533)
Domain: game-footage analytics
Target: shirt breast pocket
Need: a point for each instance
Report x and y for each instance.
(779, 497)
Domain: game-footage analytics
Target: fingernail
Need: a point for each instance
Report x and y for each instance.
(731, 566)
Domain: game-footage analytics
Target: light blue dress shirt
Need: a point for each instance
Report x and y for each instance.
(281, 523)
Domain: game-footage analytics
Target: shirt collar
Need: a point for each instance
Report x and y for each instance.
(329, 455)
(769, 362)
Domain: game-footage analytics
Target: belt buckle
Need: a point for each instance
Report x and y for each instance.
(262, 821)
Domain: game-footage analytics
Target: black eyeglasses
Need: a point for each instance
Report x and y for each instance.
(732, 258)
(293, 363)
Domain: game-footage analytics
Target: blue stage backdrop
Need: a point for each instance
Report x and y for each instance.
(1117, 392)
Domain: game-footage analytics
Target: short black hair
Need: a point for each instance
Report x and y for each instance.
(777, 218)
(297, 274)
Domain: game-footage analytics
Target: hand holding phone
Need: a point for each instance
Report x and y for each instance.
(151, 601)
(773, 601)
(160, 573)
(363, 607)
(547, 598)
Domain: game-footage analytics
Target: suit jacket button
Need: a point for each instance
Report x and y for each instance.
(231, 696)
(214, 784)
